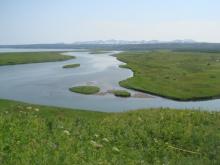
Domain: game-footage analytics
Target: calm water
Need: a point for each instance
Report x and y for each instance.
(48, 83)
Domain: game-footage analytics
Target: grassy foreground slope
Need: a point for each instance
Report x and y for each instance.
(175, 75)
(31, 57)
(32, 134)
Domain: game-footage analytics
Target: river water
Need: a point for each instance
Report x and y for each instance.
(48, 84)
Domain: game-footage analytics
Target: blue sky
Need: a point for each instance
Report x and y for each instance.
(54, 21)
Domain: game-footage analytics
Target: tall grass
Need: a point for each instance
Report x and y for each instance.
(32, 134)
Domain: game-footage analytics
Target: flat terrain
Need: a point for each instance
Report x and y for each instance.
(32, 134)
(175, 75)
(31, 57)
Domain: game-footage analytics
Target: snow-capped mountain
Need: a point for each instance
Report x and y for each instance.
(123, 42)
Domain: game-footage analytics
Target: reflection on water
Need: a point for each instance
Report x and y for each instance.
(48, 83)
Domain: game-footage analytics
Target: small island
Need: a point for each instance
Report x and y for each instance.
(87, 90)
(121, 93)
(71, 66)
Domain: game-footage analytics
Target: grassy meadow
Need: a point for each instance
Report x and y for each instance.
(33, 134)
(31, 57)
(175, 75)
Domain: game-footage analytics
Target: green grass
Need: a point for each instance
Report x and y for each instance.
(33, 134)
(85, 89)
(121, 93)
(175, 75)
(71, 66)
(31, 57)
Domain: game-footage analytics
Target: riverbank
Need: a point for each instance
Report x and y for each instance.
(31, 57)
(182, 76)
(34, 134)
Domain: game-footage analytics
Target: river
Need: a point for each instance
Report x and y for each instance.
(48, 84)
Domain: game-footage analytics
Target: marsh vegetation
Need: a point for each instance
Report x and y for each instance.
(31, 57)
(174, 75)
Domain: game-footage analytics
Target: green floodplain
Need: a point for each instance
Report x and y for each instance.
(33, 134)
(174, 75)
(31, 57)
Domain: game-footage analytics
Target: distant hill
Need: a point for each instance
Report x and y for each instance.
(177, 45)
(124, 42)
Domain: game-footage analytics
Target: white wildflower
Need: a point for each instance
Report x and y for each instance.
(29, 108)
(66, 132)
(105, 140)
(96, 136)
(95, 144)
(115, 149)
(36, 109)
(155, 140)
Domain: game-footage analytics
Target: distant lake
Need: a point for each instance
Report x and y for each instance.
(48, 84)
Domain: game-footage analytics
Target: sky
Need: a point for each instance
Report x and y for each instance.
(67, 21)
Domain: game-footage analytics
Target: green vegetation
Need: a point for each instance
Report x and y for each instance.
(31, 57)
(32, 134)
(175, 75)
(121, 93)
(88, 90)
(71, 66)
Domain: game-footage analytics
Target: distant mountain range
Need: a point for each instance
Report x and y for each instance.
(122, 45)
(125, 42)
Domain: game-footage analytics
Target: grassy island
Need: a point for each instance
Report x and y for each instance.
(121, 93)
(33, 134)
(174, 75)
(31, 57)
(71, 66)
(88, 90)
